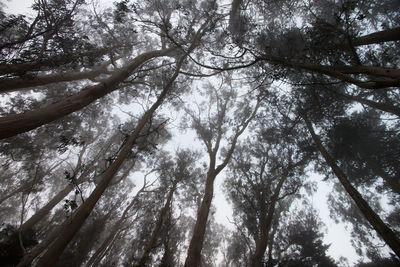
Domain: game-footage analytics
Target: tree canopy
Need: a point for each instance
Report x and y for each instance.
(121, 123)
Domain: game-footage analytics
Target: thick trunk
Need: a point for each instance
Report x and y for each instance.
(370, 70)
(376, 222)
(154, 235)
(18, 123)
(196, 243)
(265, 226)
(67, 233)
(378, 37)
(15, 84)
(41, 213)
(49, 63)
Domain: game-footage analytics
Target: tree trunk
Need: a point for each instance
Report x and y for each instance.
(68, 232)
(41, 213)
(12, 193)
(18, 123)
(380, 106)
(49, 63)
(14, 84)
(97, 256)
(376, 222)
(265, 226)
(378, 37)
(196, 243)
(340, 72)
(154, 235)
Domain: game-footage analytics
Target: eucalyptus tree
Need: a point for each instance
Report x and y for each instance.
(50, 38)
(387, 234)
(70, 227)
(327, 40)
(267, 168)
(211, 123)
(151, 18)
(301, 240)
(172, 173)
(366, 148)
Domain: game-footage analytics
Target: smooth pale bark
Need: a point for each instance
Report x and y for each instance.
(196, 243)
(265, 226)
(67, 233)
(154, 235)
(49, 63)
(378, 37)
(19, 123)
(27, 82)
(376, 222)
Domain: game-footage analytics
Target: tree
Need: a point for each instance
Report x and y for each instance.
(265, 170)
(211, 132)
(89, 96)
(304, 244)
(380, 227)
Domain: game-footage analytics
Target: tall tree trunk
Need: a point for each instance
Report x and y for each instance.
(376, 222)
(265, 226)
(98, 255)
(378, 37)
(193, 257)
(41, 213)
(12, 193)
(18, 123)
(68, 232)
(154, 235)
(196, 243)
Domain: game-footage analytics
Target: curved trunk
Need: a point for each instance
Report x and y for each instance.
(265, 226)
(196, 243)
(376, 222)
(19, 123)
(154, 235)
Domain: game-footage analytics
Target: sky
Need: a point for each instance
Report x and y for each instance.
(336, 235)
